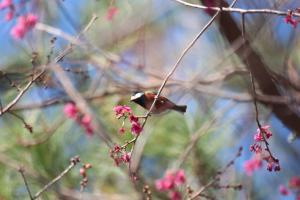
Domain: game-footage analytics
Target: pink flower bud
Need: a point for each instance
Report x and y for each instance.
(82, 172)
(111, 12)
(86, 120)
(9, 15)
(136, 128)
(31, 20)
(70, 110)
(125, 157)
(174, 195)
(179, 177)
(283, 190)
(122, 130)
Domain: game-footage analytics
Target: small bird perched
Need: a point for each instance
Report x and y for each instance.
(145, 99)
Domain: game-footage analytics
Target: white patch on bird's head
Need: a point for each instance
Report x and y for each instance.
(136, 96)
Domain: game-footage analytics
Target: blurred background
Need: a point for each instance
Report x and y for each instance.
(133, 49)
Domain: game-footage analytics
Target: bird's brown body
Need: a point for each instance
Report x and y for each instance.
(145, 99)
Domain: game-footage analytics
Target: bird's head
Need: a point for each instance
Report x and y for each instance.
(137, 96)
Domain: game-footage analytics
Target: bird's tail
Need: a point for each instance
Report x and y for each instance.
(180, 108)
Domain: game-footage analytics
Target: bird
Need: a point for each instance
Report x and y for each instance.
(145, 99)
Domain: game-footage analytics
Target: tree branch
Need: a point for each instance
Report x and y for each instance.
(225, 8)
(73, 162)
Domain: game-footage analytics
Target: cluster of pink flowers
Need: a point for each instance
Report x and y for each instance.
(293, 185)
(24, 24)
(261, 154)
(119, 155)
(169, 182)
(126, 112)
(72, 112)
(290, 20)
(111, 12)
(7, 4)
(258, 137)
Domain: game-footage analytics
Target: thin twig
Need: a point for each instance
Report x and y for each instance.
(66, 51)
(12, 83)
(254, 97)
(73, 162)
(198, 193)
(69, 48)
(198, 134)
(73, 93)
(57, 32)
(190, 45)
(26, 125)
(20, 94)
(184, 52)
(217, 176)
(21, 170)
(239, 10)
(44, 135)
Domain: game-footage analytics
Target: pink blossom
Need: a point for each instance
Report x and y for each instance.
(17, 32)
(289, 20)
(294, 182)
(251, 165)
(125, 157)
(170, 180)
(86, 120)
(283, 190)
(111, 12)
(159, 185)
(24, 24)
(133, 118)
(179, 177)
(117, 148)
(258, 137)
(264, 130)
(164, 184)
(270, 167)
(9, 15)
(31, 20)
(136, 128)
(256, 148)
(82, 172)
(70, 110)
(5, 4)
(174, 195)
(120, 111)
(122, 130)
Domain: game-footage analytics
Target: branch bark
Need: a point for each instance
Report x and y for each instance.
(258, 68)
